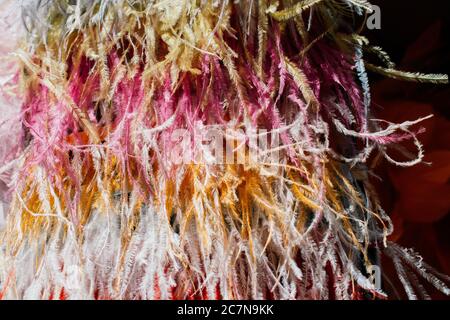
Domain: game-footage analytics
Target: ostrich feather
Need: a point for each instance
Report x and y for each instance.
(187, 149)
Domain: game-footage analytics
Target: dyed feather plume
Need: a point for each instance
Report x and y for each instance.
(99, 209)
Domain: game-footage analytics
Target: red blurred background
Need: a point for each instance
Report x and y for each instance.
(416, 34)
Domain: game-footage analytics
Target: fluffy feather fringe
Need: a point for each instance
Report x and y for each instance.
(98, 210)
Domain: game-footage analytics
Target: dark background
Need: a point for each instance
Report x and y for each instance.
(416, 34)
(404, 20)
